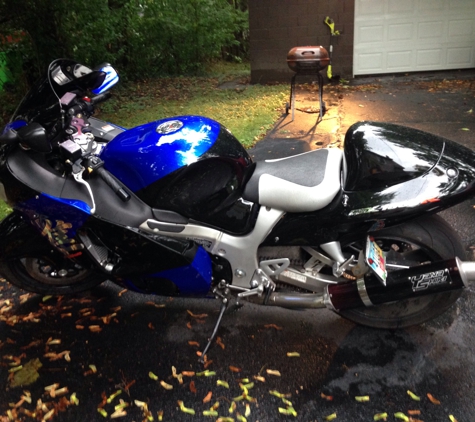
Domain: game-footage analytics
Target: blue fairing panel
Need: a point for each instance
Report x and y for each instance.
(17, 124)
(192, 280)
(145, 154)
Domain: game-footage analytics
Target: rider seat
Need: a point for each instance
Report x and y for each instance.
(301, 183)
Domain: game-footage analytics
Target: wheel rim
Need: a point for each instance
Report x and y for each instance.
(45, 271)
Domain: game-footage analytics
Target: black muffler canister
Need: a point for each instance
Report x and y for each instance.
(437, 277)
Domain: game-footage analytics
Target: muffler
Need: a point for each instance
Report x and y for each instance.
(437, 277)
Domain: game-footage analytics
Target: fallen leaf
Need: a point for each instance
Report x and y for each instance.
(465, 129)
(433, 399)
(362, 399)
(220, 343)
(27, 375)
(413, 396)
(166, 386)
(200, 316)
(122, 292)
(324, 396)
(452, 418)
(330, 417)
(380, 417)
(188, 373)
(234, 369)
(222, 384)
(192, 387)
(400, 415)
(207, 399)
(194, 343)
(293, 354)
(185, 409)
(273, 372)
(273, 326)
(414, 412)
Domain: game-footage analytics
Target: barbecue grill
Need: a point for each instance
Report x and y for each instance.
(307, 60)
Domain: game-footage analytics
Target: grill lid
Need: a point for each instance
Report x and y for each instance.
(308, 59)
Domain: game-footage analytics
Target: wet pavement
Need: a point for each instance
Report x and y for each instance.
(109, 340)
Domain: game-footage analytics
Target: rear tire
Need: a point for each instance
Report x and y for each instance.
(45, 276)
(411, 244)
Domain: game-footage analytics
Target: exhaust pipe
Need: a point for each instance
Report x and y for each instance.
(437, 277)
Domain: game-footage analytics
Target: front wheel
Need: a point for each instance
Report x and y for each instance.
(411, 244)
(45, 275)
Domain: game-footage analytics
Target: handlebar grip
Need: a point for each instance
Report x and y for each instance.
(113, 184)
(100, 98)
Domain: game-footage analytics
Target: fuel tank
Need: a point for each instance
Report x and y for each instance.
(191, 165)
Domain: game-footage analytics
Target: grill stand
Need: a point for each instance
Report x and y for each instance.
(291, 105)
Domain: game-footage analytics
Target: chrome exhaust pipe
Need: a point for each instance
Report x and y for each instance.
(296, 300)
(437, 277)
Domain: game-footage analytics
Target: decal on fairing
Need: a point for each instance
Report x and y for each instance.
(428, 280)
(56, 231)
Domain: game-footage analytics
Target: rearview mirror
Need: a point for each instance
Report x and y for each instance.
(33, 136)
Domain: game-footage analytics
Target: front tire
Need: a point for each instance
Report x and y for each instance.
(411, 244)
(43, 275)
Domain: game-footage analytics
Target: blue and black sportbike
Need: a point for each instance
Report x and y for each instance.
(177, 207)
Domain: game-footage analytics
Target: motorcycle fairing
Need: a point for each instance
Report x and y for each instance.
(59, 219)
(430, 174)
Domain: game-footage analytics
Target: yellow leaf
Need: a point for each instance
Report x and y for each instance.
(380, 417)
(413, 396)
(293, 354)
(330, 417)
(362, 399)
(402, 416)
(166, 386)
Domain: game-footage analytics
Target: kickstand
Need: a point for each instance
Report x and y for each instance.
(224, 305)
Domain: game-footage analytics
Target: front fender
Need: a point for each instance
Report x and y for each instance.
(19, 239)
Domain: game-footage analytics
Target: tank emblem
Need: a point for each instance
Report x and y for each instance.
(169, 127)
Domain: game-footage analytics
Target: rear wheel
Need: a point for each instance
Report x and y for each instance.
(47, 276)
(408, 245)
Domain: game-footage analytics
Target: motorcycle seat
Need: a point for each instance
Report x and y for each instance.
(301, 183)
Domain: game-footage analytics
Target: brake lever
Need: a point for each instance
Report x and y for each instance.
(77, 172)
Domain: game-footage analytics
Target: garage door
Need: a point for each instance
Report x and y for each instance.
(413, 35)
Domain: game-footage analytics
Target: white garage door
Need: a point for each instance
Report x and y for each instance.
(413, 35)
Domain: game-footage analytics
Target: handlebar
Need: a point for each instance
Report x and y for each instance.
(113, 184)
(96, 165)
(100, 98)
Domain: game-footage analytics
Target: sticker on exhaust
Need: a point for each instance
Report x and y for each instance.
(429, 280)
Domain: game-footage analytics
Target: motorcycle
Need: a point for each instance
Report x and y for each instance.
(177, 207)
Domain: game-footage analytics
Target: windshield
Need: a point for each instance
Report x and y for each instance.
(42, 103)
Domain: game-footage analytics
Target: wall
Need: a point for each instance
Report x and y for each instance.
(278, 25)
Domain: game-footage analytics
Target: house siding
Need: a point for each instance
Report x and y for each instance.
(276, 26)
